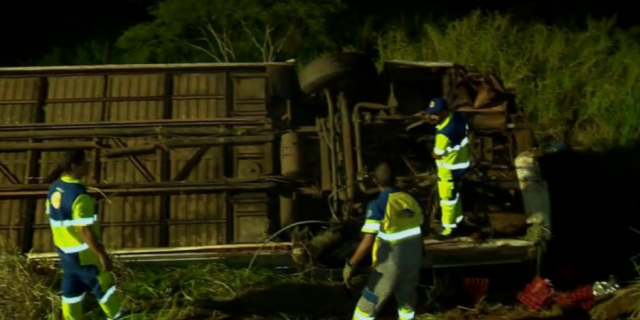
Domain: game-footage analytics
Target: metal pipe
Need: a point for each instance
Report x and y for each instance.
(332, 148)
(356, 126)
(347, 147)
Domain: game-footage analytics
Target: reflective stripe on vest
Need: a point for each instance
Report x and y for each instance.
(400, 235)
(371, 226)
(74, 222)
(55, 224)
(457, 166)
(75, 249)
(455, 148)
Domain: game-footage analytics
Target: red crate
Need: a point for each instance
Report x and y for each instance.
(537, 294)
(582, 296)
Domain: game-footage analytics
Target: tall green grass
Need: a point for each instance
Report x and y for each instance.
(578, 86)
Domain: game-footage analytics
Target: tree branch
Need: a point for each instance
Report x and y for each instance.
(280, 43)
(222, 44)
(267, 43)
(229, 46)
(254, 40)
(207, 40)
(203, 50)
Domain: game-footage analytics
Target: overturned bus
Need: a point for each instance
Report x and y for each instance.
(251, 160)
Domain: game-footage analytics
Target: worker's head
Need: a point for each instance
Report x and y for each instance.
(384, 176)
(438, 110)
(74, 164)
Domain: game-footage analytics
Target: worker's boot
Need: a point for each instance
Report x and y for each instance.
(447, 233)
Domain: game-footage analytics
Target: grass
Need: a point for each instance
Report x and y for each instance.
(195, 291)
(581, 87)
(208, 291)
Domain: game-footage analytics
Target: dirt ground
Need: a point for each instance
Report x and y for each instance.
(278, 303)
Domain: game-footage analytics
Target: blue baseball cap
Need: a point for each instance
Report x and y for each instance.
(437, 105)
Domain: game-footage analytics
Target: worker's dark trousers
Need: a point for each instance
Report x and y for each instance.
(79, 279)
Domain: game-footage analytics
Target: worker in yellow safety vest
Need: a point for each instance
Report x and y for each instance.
(392, 233)
(76, 232)
(451, 152)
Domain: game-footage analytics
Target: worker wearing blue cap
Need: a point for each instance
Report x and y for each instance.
(451, 152)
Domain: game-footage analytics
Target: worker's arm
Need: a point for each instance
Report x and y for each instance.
(419, 209)
(364, 248)
(83, 216)
(370, 229)
(440, 147)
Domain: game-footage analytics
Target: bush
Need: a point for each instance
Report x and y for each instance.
(578, 86)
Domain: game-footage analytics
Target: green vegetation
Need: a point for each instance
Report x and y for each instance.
(197, 291)
(579, 86)
(209, 291)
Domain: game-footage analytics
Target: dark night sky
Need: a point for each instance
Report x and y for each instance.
(32, 28)
(37, 26)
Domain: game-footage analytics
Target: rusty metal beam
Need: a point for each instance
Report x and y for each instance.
(257, 69)
(52, 176)
(124, 99)
(131, 223)
(177, 254)
(132, 124)
(184, 130)
(228, 165)
(190, 143)
(124, 151)
(113, 99)
(46, 146)
(33, 169)
(8, 174)
(144, 171)
(143, 188)
(188, 167)
(164, 167)
(130, 151)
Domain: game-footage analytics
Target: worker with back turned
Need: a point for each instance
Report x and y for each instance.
(392, 233)
(451, 152)
(76, 233)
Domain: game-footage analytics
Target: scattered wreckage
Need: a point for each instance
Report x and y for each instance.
(205, 161)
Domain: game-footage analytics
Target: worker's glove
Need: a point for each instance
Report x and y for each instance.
(347, 273)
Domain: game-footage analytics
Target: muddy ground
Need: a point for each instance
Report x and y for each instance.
(279, 303)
